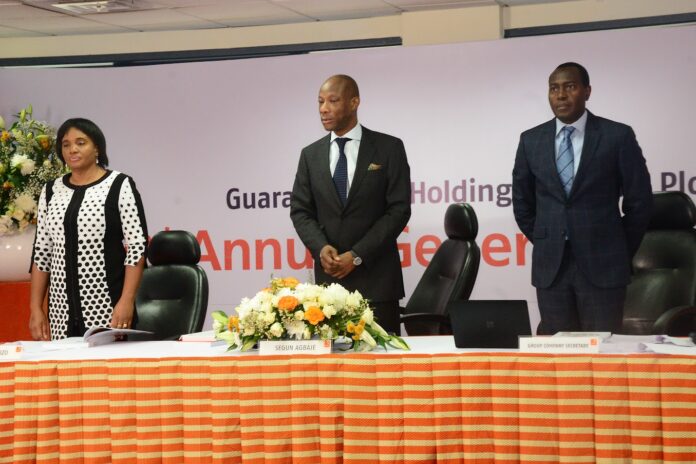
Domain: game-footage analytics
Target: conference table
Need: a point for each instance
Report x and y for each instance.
(192, 402)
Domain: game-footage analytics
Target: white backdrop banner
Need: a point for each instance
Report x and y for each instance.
(213, 147)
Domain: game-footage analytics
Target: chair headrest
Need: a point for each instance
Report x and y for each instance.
(672, 210)
(174, 247)
(461, 222)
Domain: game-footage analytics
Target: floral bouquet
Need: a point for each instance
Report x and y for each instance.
(27, 162)
(288, 309)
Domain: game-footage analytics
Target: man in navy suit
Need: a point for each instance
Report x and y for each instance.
(350, 201)
(567, 186)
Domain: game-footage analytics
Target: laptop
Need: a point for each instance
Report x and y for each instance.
(489, 323)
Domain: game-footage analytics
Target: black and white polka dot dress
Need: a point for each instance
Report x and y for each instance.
(85, 236)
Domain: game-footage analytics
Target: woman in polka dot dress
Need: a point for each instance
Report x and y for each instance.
(91, 237)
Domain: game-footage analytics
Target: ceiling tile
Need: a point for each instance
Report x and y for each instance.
(338, 9)
(64, 25)
(190, 3)
(436, 3)
(169, 19)
(12, 32)
(249, 13)
(25, 12)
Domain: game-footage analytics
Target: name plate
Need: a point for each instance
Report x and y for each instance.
(268, 347)
(558, 344)
(10, 352)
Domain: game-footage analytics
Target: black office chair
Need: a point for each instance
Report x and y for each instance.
(661, 298)
(173, 296)
(450, 275)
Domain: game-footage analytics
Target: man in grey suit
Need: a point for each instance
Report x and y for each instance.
(350, 201)
(569, 177)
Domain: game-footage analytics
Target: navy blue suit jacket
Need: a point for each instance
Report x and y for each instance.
(602, 239)
(377, 210)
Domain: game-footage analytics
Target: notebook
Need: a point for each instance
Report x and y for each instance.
(489, 323)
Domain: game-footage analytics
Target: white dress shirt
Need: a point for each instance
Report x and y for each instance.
(577, 138)
(351, 150)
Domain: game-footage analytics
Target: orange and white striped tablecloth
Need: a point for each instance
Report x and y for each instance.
(351, 408)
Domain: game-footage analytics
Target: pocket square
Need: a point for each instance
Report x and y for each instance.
(374, 167)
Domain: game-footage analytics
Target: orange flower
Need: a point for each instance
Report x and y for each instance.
(7, 185)
(5, 136)
(290, 282)
(313, 315)
(288, 303)
(233, 324)
(357, 330)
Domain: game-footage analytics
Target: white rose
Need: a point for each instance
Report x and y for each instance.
(353, 300)
(267, 307)
(276, 329)
(334, 295)
(18, 214)
(27, 167)
(20, 161)
(299, 315)
(26, 203)
(312, 292)
(265, 297)
(329, 311)
(246, 306)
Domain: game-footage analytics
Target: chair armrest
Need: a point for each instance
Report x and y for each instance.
(677, 321)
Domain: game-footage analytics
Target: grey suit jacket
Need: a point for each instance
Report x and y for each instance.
(602, 239)
(377, 210)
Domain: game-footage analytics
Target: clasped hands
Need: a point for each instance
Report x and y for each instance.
(335, 265)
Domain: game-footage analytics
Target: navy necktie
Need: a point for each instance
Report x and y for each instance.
(565, 160)
(340, 176)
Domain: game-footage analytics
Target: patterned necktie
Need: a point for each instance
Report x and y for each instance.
(340, 176)
(565, 160)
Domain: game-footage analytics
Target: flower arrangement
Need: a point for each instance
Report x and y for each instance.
(27, 162)
(288, 309)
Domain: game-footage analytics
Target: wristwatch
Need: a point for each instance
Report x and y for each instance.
(357, 260)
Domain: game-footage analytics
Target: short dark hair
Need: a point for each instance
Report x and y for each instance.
(584, 75)
(349, 84)
(91, 130)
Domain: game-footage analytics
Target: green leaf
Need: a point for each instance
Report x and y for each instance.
(226, 336)
(248, 344)
(398, 342)
(220, 316)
